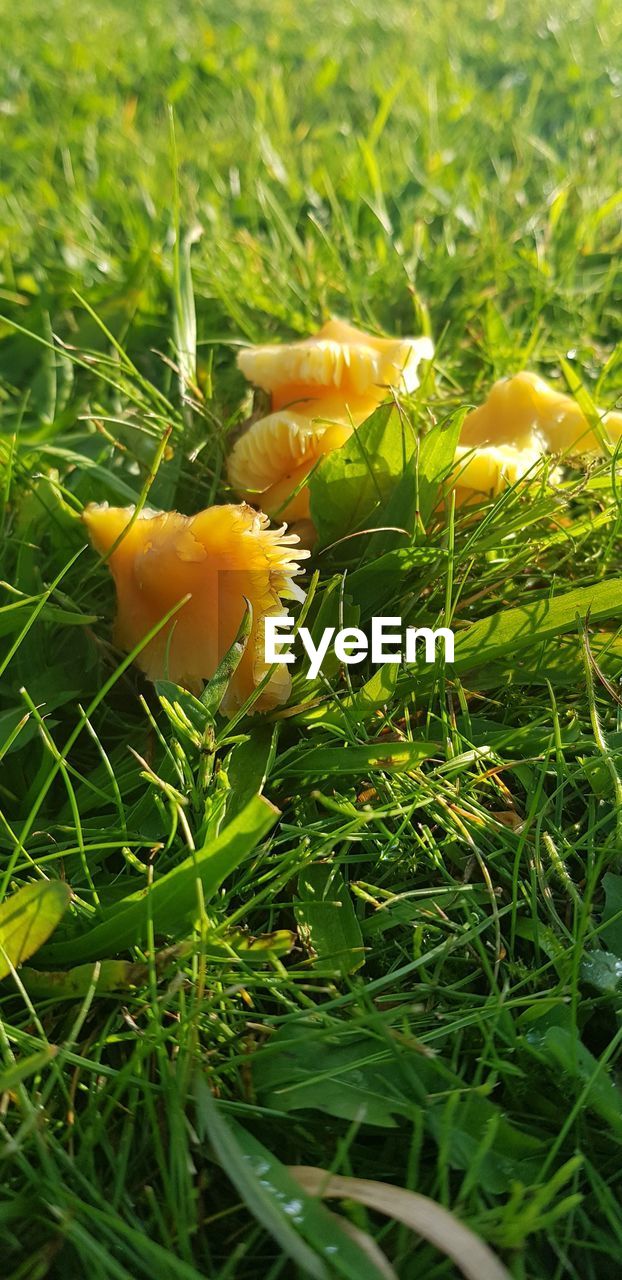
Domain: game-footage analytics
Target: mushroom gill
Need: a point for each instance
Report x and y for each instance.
(320, 389)
(340, 365)
(271, 461)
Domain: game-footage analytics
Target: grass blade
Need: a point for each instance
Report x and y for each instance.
(429, 1219)
(275, 1198)
(171, 902)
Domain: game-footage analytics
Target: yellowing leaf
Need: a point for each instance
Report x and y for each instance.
(28, 918)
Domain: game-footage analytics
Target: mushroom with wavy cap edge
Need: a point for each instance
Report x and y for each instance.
(320, 389)
(220, 557)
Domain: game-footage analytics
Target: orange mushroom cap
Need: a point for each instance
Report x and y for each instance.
(341, 366)
(219, 557)
(320, 388)
(490, 469)
(524, 411)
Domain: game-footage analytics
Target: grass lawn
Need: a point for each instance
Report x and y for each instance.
(412, 972)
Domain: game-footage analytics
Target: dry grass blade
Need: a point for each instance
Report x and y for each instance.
(368, 1246)
(429, 1219)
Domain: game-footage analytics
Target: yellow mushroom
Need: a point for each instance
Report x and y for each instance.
(219, 557)
(340, 366)
(270, 462)
(490, 469)
(320, 389)
(525, 412)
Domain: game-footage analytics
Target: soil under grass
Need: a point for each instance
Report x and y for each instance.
(413, 971)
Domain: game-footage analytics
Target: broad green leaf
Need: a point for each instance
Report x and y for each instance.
(435, 459)
(74, 984)
(598, 775)
(530, 624)
(554, 1040)
(327, 920)
(48, 691)
(12, 617)
(611, 933)
(171, 903)
(248, 767)
(603, 971)
(524, 740)
(372, 696)
(560, 663)
(253, 951)
(399, 516)
(27, 919)
(397, 574)
(301, 1225)
(124, 975)
(357, 708)
(416, 491)
(350, 1078)
(360, 1079)
(350, 487)
(489, 643)
(461, 1126)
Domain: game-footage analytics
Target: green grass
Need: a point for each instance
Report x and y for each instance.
(451, 166)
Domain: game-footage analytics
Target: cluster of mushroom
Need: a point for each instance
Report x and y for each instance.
(322, 388)
(203, 569)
